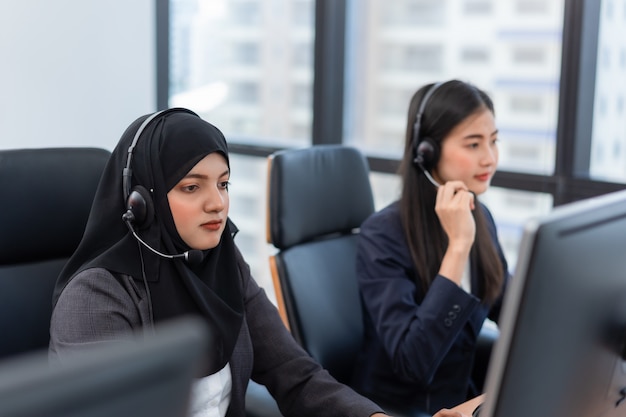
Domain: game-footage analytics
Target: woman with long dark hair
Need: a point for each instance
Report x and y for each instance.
(430, 267)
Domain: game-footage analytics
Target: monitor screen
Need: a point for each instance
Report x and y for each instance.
(561, 346)
(147, 376)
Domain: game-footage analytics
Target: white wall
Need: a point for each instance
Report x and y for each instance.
(74, 72)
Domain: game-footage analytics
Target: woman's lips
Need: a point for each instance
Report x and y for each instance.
(214, 225)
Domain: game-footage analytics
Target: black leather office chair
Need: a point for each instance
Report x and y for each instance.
(46, 197)
(318, 197)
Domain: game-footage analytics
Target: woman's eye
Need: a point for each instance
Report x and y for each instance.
(189, 188)
(224, 185)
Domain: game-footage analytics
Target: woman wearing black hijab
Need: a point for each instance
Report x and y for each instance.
(172, 168)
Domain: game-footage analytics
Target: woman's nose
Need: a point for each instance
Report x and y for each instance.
(490, 156)
(214, 200)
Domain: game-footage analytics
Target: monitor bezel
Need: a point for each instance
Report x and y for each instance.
(139, 374)
(605, 208)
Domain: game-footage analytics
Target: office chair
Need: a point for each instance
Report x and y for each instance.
(318, 197)
(46, 198)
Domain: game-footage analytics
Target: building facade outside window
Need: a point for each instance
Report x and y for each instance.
(248, 66)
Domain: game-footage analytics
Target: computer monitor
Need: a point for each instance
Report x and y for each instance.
(561, 346)
(147, 376)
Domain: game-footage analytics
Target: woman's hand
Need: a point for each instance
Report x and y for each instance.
(449, 413)
(454, 207)
(441, 413)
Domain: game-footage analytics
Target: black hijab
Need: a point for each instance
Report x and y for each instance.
(169, 146)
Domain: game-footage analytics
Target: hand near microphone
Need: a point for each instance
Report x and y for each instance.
(454, 205)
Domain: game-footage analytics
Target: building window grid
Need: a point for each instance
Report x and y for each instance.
(411, 56)
(532, 55)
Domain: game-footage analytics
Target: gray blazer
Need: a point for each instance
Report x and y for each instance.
(96, 306)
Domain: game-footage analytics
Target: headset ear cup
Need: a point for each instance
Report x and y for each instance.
(139, 203)
(427, 153)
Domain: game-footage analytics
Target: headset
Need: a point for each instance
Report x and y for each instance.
(139, 206)
(425, 150)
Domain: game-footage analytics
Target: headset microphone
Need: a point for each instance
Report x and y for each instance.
(430, 178)
(139, 206)
(191, 257)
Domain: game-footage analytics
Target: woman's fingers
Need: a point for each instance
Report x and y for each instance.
(455, 191)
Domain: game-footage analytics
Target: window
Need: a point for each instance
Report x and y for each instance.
(511, 209)
(407, 12)
(246, 53)
(517, 57)
(478, 7)
(234, 62)
(531, 6)
(247, 211)
(608, 151)
(475, 55)
(246, 66)
(249, 65)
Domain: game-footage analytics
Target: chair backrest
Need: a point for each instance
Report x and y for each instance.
(317, 199)
(46, 199)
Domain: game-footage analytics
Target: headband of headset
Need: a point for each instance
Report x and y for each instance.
(425, 150)
(139, 208)
(127, 172)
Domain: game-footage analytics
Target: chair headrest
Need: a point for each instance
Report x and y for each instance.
(316, 191)
(46, 199)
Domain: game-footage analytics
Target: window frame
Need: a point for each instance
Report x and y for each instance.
(569, 182)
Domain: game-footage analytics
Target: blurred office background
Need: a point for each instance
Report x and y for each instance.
(275, 74)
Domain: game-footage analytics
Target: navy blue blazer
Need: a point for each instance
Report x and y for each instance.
(418, 347)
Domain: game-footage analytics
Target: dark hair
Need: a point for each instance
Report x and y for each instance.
(450, 104)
